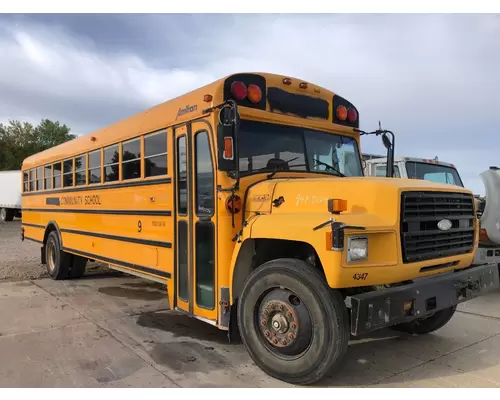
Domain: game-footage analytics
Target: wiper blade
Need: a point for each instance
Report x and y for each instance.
(275, 170)
(330, 167)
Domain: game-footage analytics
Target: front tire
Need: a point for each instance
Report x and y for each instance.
(293, 325)
(426, 325)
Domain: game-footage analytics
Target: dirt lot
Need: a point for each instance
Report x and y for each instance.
(108, 330)
(21, 260)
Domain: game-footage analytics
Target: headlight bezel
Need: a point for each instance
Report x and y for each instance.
(351, 259)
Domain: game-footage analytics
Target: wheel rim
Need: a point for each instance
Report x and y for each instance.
(51, 256)
(284, 323)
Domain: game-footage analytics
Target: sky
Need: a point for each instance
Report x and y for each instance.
(431, 79)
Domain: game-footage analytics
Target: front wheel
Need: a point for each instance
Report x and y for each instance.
(428, 324)
(293, 325)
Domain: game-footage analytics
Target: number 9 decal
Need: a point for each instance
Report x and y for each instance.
(139, 226)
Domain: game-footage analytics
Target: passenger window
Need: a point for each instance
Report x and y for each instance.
(111, 165)
(155, 154)
(32, 180)
(39, 178)
(68, 172)
(182, 192)
(204, 175)
(94, 174)
(48, 176)
(56, 170)
(80, 169)
(26, 181)
(131, 159)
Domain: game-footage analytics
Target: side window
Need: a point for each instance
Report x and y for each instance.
(80, 169)
(95, 167)
(204, 175)
(39, 178)
(48, 176)
(26, 181)
(131, 159)
(155, 154)
(182, 192)
(111, 163)
(380, 170)
(68, 172)
(32, 180)
(56, 170)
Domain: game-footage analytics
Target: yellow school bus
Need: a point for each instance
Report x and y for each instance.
(246, 197)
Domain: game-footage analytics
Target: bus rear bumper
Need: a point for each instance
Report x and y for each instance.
(379, 309)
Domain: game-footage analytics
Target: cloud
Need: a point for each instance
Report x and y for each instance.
(432, 79)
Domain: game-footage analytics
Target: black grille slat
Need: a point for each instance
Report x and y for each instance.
(420, 213)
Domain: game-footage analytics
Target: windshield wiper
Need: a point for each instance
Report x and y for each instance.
(283, 162)
(330, 167)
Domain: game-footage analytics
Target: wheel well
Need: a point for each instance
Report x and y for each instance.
(255, 252)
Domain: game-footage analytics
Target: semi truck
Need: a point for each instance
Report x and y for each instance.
(10, 195)
(434, 170)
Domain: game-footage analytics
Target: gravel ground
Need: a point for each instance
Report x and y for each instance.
(21, 260)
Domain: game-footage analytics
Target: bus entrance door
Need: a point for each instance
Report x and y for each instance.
(195, 222)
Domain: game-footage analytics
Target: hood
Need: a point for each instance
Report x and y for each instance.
(490, 219)
(377, 196)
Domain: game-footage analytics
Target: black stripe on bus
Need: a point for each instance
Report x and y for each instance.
(97, 211)
(34, 240)
(119, 238)
(96, 257)
(33, 225)
(102, 187)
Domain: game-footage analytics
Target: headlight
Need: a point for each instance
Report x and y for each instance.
(357, 248)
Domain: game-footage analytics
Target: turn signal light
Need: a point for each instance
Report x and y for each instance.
(228, 148)
(336, 206)
(254, 94)
(341, 113)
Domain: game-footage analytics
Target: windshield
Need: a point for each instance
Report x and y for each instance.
(263, 147)
(433, 172)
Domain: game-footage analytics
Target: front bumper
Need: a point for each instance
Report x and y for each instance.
(379, 309)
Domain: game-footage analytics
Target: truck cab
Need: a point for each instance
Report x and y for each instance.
(434, 170)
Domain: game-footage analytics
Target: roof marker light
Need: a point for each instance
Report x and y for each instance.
(287, 81)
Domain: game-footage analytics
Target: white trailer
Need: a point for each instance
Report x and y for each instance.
(433, 170)
(10, 195)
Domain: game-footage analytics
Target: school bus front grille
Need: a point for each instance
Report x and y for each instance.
(421, 212)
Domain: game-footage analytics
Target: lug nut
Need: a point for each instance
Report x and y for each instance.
(291, 336)
(289, 314)
(266, 312)
(275, 341)
(281, 307)
(283, 342)
(293, 325)
(267, 333)
(263, 322)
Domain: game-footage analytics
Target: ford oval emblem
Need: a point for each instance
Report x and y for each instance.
(444, 225)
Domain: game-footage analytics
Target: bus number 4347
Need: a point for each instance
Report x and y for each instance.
(360, 277)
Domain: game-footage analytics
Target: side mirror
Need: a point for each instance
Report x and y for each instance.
(386, 141)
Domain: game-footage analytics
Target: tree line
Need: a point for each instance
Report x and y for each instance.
(19, 140)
